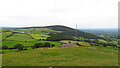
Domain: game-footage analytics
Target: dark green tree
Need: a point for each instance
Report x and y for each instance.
(37, 45)
(46, 44)
(19, 47)
(4, 47)
(53, 45)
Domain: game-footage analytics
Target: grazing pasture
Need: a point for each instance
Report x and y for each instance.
(0, 36)
(39, 36)
(22, 30)
(74, 42)
(20, 37)
(5, 34)
(63, 56)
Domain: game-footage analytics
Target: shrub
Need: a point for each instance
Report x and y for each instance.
(69, 42)
(78, 44)
(46, 44)
(25, 49)
(104, 45)
(19, 47)
(53, 45)
(37, 45)
(93, 44)
(4, 47)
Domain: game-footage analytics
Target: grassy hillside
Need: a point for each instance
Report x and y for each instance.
(67, 56)
(26, 36)
(48, 33)
(68, 33)
(93, 50)
(32, 35)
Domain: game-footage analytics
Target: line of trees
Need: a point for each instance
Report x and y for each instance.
(20, 47)
(38, 45)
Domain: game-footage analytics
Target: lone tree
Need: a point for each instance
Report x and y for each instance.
(37, 45)
(19, 47)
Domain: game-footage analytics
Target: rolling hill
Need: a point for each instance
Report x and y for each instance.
(28, 35)
(68, 33)
(91, 51)
(50, 33)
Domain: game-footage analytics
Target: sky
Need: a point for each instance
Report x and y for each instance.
(84, 13)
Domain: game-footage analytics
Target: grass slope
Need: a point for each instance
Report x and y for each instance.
(67, 56)
(5, 34)
(70, 32)
(20, 37)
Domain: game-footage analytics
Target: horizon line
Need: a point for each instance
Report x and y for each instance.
(60, 25)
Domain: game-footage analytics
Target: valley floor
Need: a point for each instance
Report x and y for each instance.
(63, 56)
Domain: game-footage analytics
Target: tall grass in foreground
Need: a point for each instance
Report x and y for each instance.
(63, 56)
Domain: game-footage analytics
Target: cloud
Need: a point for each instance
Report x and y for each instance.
(84, 13)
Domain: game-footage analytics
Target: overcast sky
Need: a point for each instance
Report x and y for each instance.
(84, 13)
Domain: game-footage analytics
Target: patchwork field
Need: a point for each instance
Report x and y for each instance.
(5, 34)
(35, 46)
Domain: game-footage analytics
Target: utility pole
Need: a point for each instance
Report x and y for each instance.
(76, 32)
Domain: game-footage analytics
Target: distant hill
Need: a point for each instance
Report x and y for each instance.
(68, 33)
(10, 27)
(50, 33)
(111, 32)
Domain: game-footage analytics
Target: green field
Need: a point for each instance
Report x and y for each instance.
(9, 50)
(31, 30)
(22, 30)
(0, 36)
(5, 34)
(20, 37)
(74, 42)
(39, 36)
(28, 38)
(66, 56)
